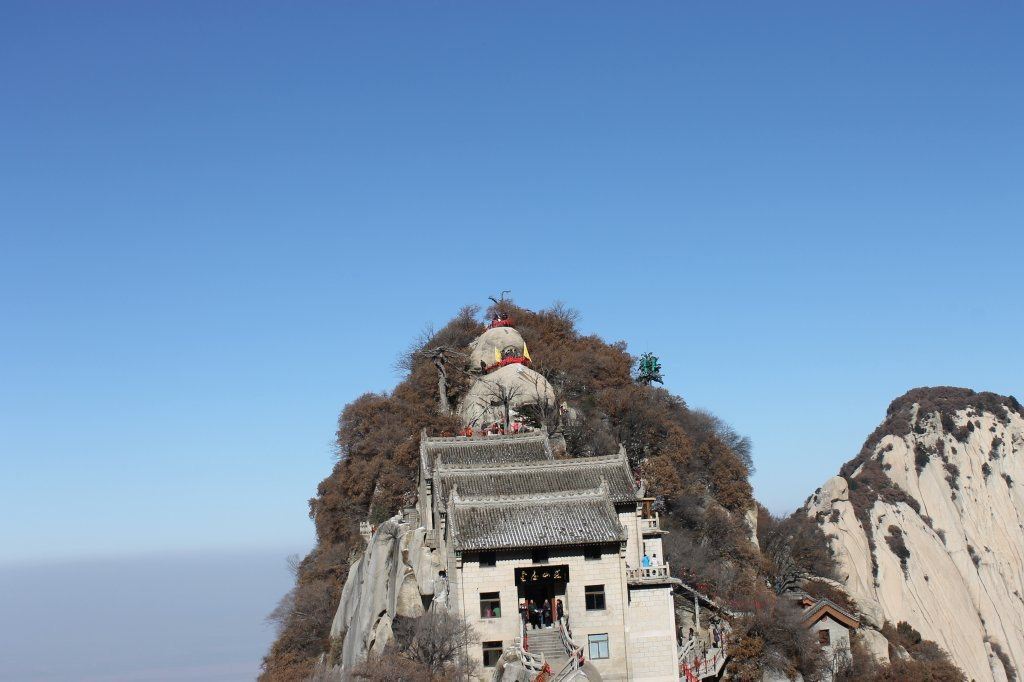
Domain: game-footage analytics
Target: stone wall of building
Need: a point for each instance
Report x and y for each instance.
(651, 639)
(474, 579)
(839, 637)
(628, 520)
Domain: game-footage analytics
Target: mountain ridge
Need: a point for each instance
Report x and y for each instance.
(925, 524)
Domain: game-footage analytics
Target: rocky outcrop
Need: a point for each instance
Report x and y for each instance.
(492, 345)
(513, 386)
(927, 526)
(389, 581)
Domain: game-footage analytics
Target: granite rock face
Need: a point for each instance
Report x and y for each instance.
(516, 383)
(943, 549)
(487, 348)
(390, 580)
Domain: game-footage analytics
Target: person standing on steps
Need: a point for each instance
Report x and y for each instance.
(534, 615)
(559, 610)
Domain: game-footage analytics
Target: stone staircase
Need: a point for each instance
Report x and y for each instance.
(545, 641)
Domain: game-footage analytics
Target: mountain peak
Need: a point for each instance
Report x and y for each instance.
(926, 524)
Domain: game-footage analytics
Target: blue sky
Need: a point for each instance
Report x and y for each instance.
(220, 222)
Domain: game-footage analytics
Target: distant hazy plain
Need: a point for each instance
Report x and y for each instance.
(196, 616)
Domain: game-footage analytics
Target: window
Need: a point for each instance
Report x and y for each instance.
(488, 558)
(490, 605)
(824, 637)
(594, 595)
(592, 553)
(598, 646)
(540, 556)
(492, 652)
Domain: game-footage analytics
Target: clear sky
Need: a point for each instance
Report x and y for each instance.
(220, 222)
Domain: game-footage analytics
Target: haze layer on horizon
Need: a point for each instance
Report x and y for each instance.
(189, 616)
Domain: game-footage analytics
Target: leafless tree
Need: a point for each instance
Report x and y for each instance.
(502, 395)
(407, 358)
(306, 611)
(440, 356)
(794, 548)
(541, 408)
(440, 643)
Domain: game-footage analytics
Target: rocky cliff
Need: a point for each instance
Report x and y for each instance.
(389, 580)
(927, 525)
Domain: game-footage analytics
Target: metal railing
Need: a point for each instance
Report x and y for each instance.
(696, 663)
(686, 651)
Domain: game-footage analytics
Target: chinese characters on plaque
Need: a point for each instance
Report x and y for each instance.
(529, 575)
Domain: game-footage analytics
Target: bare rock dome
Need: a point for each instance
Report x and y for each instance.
(493, 344)
(516, 384)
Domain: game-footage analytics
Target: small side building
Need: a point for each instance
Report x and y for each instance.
(831, 625)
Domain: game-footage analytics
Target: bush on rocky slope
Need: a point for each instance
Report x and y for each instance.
(772, 638)
(930, 667)
(792, 548)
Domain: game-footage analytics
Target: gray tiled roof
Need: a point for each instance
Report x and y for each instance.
(811, 613)
(534, 521)
(539, 477)
(484, 451)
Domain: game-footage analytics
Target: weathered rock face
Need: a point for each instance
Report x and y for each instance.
(517, 384)
(927, 525)
(388, 581)
(487, 348)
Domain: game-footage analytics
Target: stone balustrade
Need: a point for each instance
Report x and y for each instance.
(649, 574)
(650, 525)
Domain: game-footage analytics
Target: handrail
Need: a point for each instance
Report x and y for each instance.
(698, 667)
(574, 651)
(532, 662)
(684, 650)
(648, 573)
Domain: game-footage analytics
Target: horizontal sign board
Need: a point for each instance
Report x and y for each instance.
(529, 575)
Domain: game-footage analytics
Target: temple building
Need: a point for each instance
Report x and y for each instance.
(517, 530)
